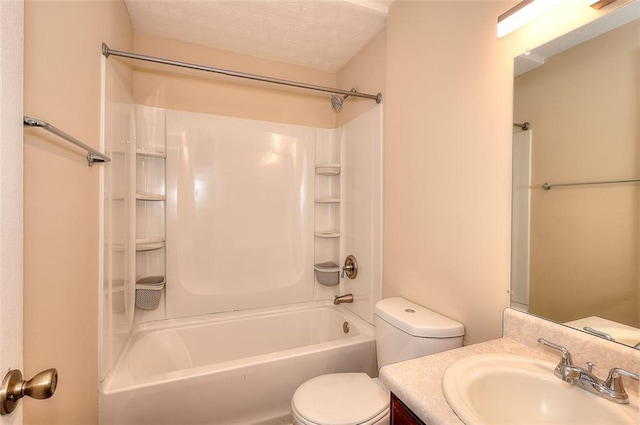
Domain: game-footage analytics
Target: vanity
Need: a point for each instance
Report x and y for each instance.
(401, 414)
(416, 384)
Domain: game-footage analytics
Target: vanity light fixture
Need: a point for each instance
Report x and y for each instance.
(599, 4)
(523, 13)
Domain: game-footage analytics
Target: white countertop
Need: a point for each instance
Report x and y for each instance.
(418, 382)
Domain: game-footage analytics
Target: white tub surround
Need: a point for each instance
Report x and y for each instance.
(239, 367)
(418, 383)
(251, 206)
(240, 213)
(229, 211)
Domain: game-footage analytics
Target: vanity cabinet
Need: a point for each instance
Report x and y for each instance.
(401, 414)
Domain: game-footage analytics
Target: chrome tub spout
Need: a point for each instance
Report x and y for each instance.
(339, 299)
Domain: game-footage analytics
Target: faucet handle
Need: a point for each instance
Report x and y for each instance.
(566, 355)
(614, 383)
(564, 368)
(350, 267)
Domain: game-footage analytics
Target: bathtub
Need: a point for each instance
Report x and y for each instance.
(232, 368)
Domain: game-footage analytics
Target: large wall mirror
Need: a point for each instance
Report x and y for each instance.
(576, 189)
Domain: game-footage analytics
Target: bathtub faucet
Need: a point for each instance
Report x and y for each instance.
(339, 299)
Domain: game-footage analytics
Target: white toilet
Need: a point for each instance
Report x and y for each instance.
(404, 331)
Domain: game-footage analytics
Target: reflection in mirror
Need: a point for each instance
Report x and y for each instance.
(576, 247)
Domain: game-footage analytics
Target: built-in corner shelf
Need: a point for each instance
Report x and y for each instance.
(328, 200)
(328, 169)
(115, 246)
(151, 252)
(151, 154)
(327, 223)
(328, 234)
(149, 244)
(147, 196)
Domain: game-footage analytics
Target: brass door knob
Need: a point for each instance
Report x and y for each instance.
(13, 388)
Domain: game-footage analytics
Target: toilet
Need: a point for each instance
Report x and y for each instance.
(404, 331)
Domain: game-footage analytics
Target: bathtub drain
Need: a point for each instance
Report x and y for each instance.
(345, 327)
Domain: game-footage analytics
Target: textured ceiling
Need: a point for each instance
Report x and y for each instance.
(320, 34)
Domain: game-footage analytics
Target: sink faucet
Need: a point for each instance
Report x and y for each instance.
(610, 388)
(346, 298)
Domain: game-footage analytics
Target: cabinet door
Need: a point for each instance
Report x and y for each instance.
(401, 414)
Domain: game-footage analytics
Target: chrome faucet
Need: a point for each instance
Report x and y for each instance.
(346, 298)
(610, 388)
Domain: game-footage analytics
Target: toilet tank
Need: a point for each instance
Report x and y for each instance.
(405, 330)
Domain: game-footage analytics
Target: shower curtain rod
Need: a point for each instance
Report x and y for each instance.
(106, 51)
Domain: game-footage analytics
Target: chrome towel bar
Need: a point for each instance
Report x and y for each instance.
(92, 154)
(549, 185)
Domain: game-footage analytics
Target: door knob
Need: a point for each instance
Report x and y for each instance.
(13, 388)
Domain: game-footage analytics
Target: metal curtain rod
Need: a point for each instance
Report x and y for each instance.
(92, 154)
(106, 51)
(549, 185)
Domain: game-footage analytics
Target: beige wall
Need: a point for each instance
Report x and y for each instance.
(583, 105)
(62, 86)
(177, 88)
(366, 72)
(447, 160)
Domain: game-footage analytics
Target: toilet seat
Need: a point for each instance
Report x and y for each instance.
(340, 399)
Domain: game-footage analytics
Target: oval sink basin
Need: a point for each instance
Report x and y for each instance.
(508, 389)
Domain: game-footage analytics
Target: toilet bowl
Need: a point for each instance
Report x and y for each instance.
(341, 399)
(404, 330)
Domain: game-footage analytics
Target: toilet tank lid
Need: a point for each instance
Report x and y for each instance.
(417, 320)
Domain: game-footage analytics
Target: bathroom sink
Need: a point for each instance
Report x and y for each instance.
(509, 389)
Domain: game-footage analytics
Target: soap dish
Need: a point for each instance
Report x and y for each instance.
(328, 273)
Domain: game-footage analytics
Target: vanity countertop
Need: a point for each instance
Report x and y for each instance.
(418, 382)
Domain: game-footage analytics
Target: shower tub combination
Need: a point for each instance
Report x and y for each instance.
(240, 229)
(234, 368)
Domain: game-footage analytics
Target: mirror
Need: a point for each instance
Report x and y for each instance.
(576, 241)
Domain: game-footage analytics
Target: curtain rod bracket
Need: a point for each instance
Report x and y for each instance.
(105, 50)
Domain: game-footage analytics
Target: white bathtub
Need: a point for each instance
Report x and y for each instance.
(232, 368)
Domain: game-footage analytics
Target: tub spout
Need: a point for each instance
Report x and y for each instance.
(339, 299)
